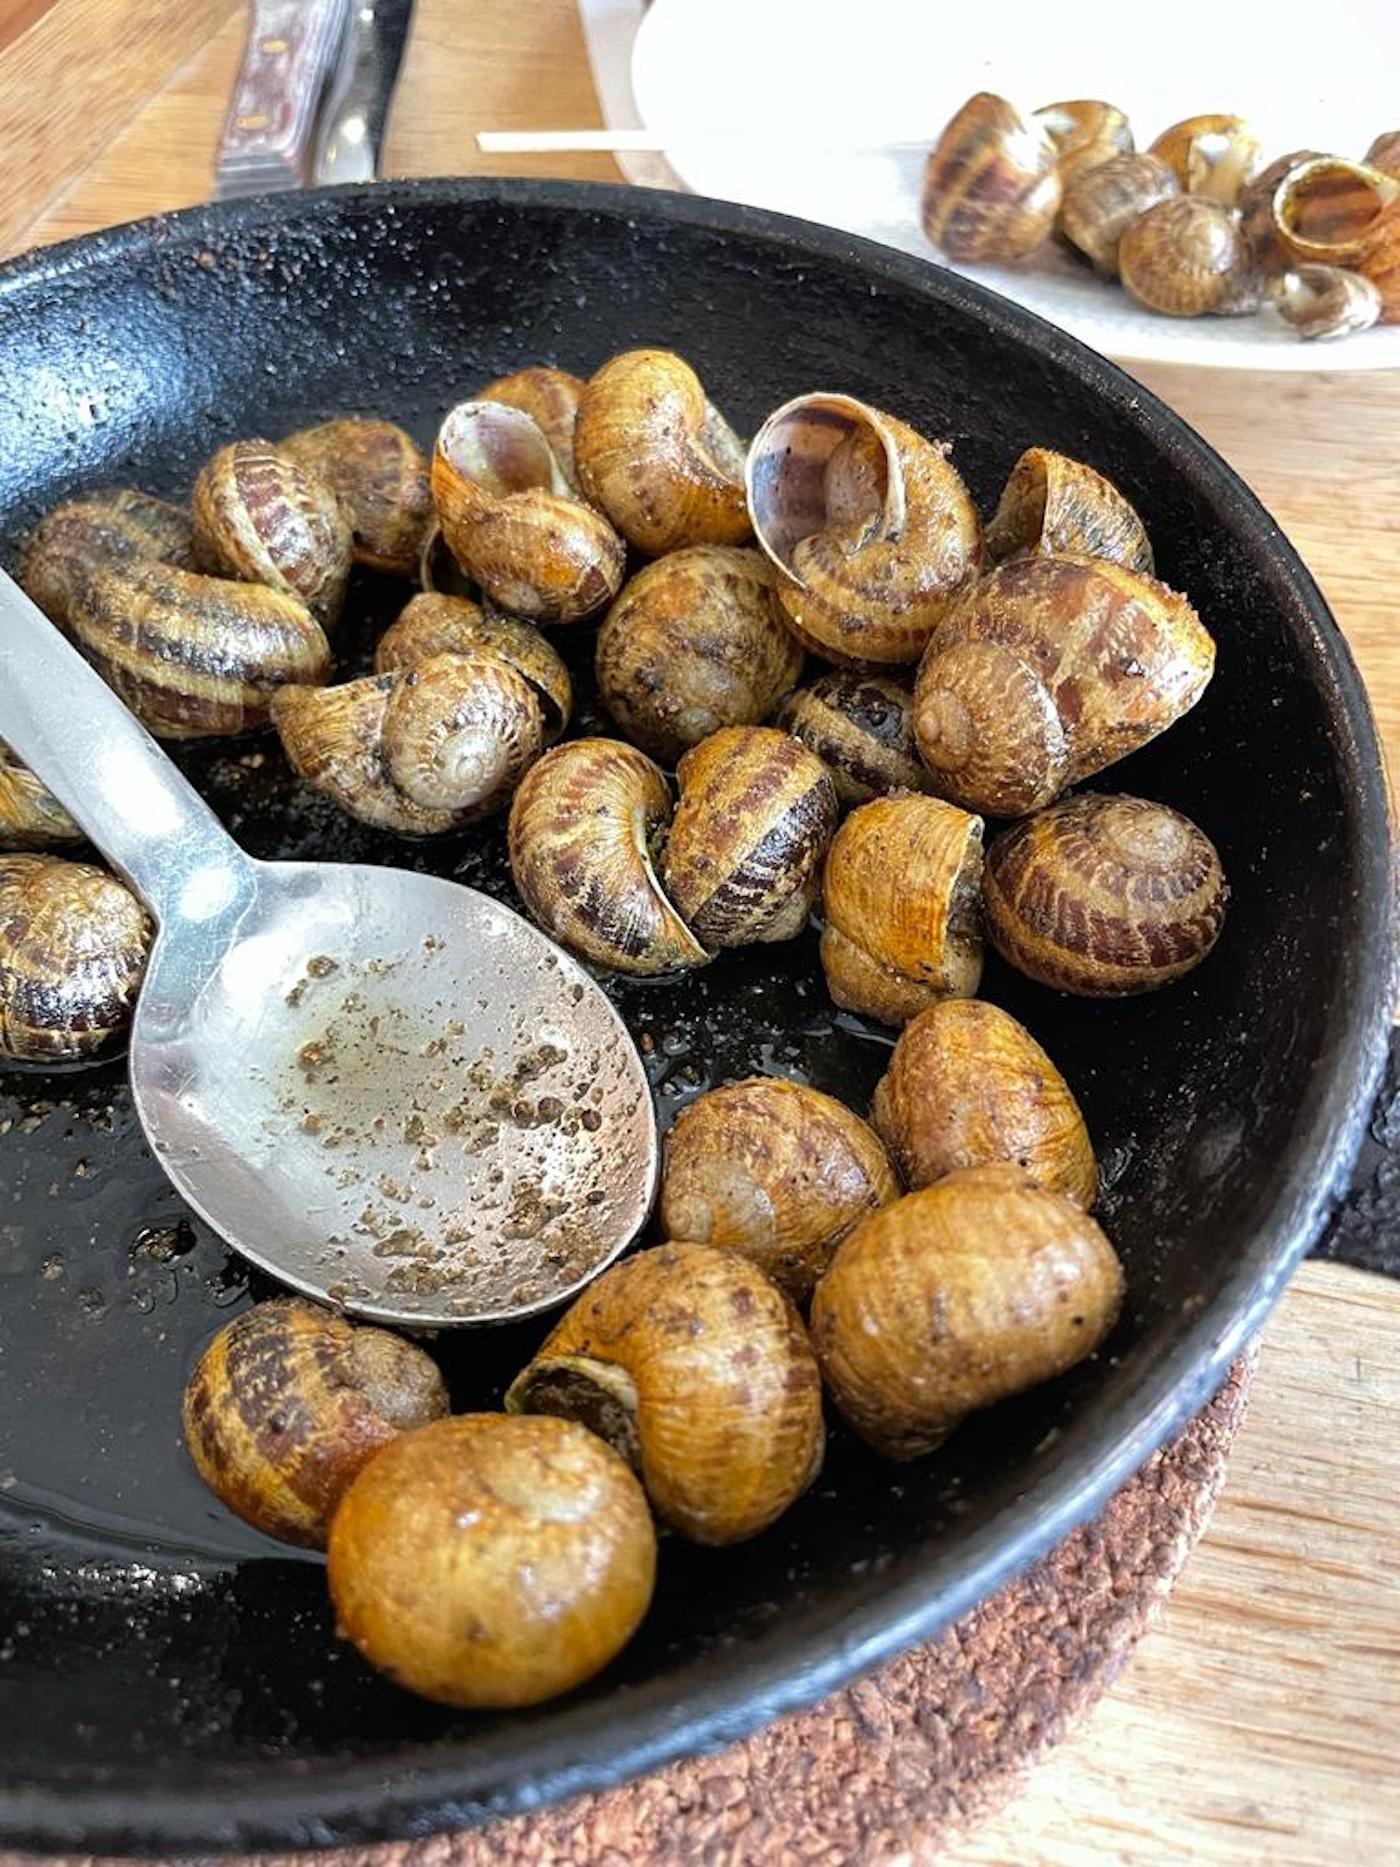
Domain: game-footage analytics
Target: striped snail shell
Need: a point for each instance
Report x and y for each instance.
(379, 474)
(992, 183)
(110, 526)
(433, 624)
(861, 727)
(1052, 505)
(73, 948)
(261, 517)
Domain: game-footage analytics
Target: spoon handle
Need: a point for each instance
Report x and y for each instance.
(67, 725)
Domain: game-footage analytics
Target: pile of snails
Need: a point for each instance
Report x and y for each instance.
(1196, 223)
(798, 1250)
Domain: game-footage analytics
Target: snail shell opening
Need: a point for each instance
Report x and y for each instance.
(502, 449)
(1338, 211)
(819, 462)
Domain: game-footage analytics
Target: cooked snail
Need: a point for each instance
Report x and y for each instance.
(967, 1085)
(110, 526)
(1102, 202)
(743, 860)
(870, 526)
(1104, 895)
(261, 517)
(1049, 670)
(697, 1370)
(1327, 301)
(956, 1297)
(433, 624)
(1189, 257)
(379, 474)
(512, 522)
(1052, 504)
(774, 1170)
(73, 946)
(585, 827)
(1257, 211)
(1384, 153)
(31, 817)
(1341, 213)
(489, 1562)
(288, 1402)
(656, 455)
(992, 183)
(1085, 132)
(695, 641)
(550, 397)
(861, 727)
(1212, 156)
(900, 899)
(194, 655)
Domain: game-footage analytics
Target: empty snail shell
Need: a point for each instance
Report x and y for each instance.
(105, 527)
(1213, 156)
(1049, 670)
(1189, 257)
(1327, 301)
(1104, 895)
(1102, 202)
(1052, 504)
(958, 1296)
(871, 528)
(1343, 213)
(743, 860)
(655, 454)
(31, 817)
(1384, 153)
(289, 1401)
(73, 946)
(696, 641)
(1085, 131)
(1257, 211)
(861, 727)
(584, 828)
(379, 474)
(900, 899)
(261, 517)
(512, 521)
(489, 1562)
(968, 1085)
(775, 1170)
(194, 655)
(697, 1370)
(551, 398)
(432, 624)
(991, 185)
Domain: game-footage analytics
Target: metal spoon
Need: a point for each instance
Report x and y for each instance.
(383, 1088)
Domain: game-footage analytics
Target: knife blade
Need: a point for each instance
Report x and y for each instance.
(354, 116)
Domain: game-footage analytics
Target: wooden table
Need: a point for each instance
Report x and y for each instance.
(1258, 1722)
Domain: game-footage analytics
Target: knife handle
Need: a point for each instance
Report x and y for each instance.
(269, 133)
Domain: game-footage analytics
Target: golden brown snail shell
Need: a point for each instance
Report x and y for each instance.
(900, 899)
(956, 1297)
(967, 1085)
(1257, 211)
(73, 947)
(110, 526)
(1049, 670)
(551, 398)
(861, 727)
(1104, 895)
(871, 528)
(194, 655)
(1189, 257)
(991, 186)
(434, 624)
(31, 817)
(697, 1370)
(655, 454)
(1384, 153)
(489, 1562)
(696, 641)
(1052, 504)
(288, 1402)
(510, 519)
(1327, 301)
(1214, 156)
(379, 474)
(260, 517)
(1086, 132)
(1343, 213)
(1102, 202)
(775, 1170)
(584, 830)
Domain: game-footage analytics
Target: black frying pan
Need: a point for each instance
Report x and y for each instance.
(169, 1680)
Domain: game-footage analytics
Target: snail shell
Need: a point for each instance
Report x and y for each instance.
(73, 947)
(1347, 214)
(583, 828)
(438, 571)
(991, 184)
(1327, 301)
(432, 624)
(1257, 211)
(550, 397)
(774, 1170)
(194, 655)
(743, 860)
(956, 1297)
(861, 727)
(491, 1562)
(900, 900)
(967, 1085)
(697, 1370)
(1102, 202)
(511, 521)
(288, 1402)
(379, 474)
(111, 526)
(1052, 504)
(1104, 895)
(870, 526)
(1189, 257)
(1086, 132)
(1384, 153)
(696, 641)
(655, 454)
(31, 817)
(1213, 156)
(261, 517)
(1049, 670)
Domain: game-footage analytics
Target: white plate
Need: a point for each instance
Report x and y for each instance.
(747, 92)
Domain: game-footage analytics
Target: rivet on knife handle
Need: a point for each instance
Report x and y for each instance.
(270, 129)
